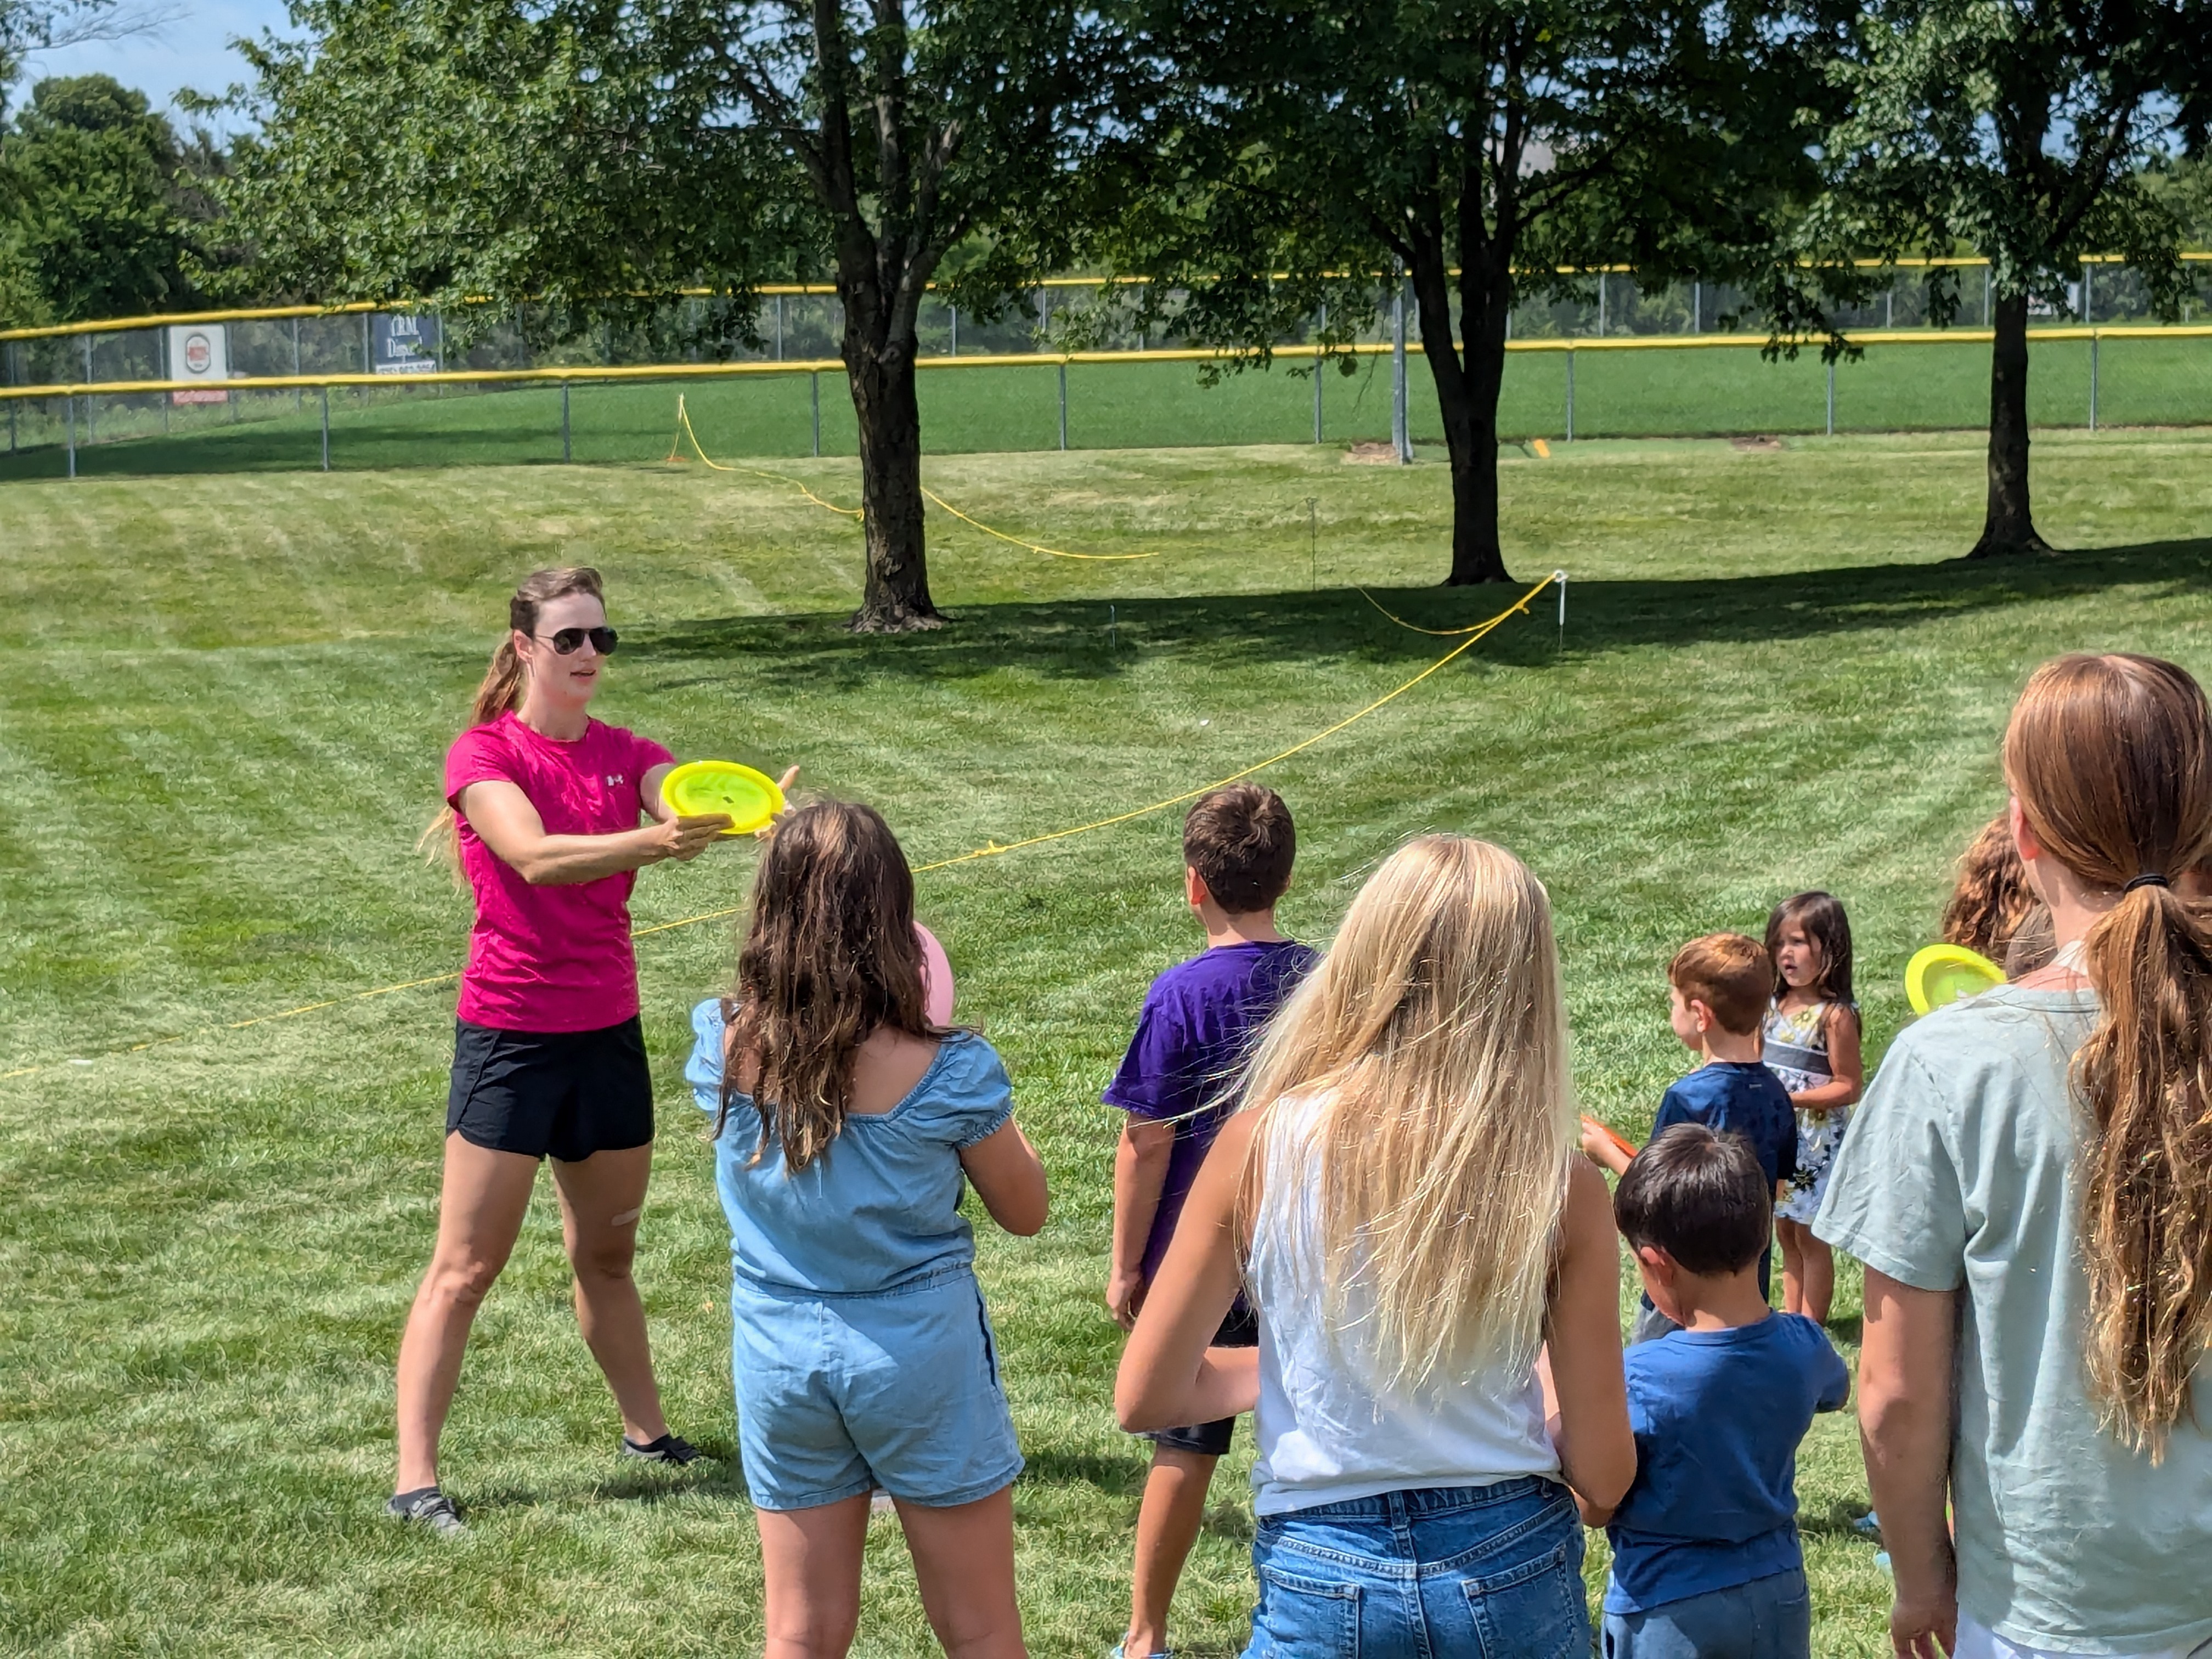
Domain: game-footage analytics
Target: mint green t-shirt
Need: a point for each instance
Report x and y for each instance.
(1959, 1174)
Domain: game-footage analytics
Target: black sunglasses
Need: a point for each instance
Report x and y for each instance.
(569, 640)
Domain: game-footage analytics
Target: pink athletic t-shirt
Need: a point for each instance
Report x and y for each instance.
(551, 959)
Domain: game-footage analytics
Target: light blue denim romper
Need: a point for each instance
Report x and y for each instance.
(861, 1352)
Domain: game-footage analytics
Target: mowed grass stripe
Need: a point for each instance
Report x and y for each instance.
(1768, 681)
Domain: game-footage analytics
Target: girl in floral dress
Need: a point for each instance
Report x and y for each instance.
(1812, 1037)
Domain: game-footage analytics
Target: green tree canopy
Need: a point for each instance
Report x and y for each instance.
(95, 219)
(599, 157)
(1297, 153)
(2033, 132)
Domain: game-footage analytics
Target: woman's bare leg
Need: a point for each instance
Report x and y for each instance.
(481, 1204)
(601, 1199)
(811, 1560)
(964, 1559)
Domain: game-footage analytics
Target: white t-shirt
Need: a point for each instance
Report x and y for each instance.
(1329, 1429)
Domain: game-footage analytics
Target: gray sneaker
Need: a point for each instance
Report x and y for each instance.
(428, 1507)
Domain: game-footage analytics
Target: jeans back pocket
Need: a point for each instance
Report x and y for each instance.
(1303, 1618)
(1532, 1611)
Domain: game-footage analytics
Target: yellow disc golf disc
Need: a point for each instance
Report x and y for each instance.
(698, 789)
(1941, 975)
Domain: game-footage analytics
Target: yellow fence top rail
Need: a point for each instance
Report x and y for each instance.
(279, 313)
(1046, 359)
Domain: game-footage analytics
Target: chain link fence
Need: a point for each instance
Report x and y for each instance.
(1655, 362)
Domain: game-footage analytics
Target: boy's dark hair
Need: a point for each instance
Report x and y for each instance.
(1242, 843)
(1701, 1197)
(1731, 973)
(1821, 915)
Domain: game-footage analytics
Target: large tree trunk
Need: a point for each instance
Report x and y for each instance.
(1467, 396)
(2009, 527)
(895, 599)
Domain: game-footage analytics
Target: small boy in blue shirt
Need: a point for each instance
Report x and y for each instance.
(1706, 1563)
(1178, 1081)
(1718, 990)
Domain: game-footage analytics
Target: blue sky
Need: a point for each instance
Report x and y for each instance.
(190, 50)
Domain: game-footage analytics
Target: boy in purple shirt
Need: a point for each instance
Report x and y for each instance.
(1178, 1081)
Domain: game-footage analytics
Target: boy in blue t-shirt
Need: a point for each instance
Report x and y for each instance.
(1177, 1083)
(1718, 988)
(1706, 1563)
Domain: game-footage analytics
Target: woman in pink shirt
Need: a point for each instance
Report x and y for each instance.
(545, 809)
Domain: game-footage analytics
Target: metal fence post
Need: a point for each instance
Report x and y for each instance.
(326, 427)
(564, 423)
(1832, 397)
(161, 358)
(779, 328)
(1696, 306)
(814, 383)
(299, 393)
(2088, 296)
(956, 330)
(90, 416)
(1063, 404)
(1571, 394)
(68, 403)
(2092, 381)
(1401, 424)
(1601, 305)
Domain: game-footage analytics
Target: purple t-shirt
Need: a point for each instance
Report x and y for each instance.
(1197, 1030)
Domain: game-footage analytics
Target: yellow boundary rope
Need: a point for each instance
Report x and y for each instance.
(685, 430)
(683, 424)
(1034, 547)
(992, 850)
(989, 849)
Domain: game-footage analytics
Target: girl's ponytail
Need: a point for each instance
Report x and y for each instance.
(2110, 759)
(505, 681)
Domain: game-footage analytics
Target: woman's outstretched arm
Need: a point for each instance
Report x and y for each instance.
(502, 816)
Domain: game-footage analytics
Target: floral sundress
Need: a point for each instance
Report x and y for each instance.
(1797, 1051)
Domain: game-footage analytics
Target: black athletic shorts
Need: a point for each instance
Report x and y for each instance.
(1241, 1329)
(558, 1094)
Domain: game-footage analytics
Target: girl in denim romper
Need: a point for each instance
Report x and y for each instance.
(1400, 1200)
(847, 1128)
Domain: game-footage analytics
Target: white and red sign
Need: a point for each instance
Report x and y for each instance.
(200, 352)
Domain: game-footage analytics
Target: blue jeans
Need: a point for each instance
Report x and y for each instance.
(1436, 1572)
(1770, 1618)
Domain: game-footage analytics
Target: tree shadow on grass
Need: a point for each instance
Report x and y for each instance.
(1076, 639)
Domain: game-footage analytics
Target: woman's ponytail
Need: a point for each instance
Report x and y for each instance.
(505, 681)
(2110, 759)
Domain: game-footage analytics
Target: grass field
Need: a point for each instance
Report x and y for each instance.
(1894, 388)
(222, 727)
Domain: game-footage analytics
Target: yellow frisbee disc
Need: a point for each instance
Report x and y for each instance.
(1941, 975)
(700, 788)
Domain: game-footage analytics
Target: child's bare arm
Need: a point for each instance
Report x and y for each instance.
(1603, 1149)
(1597, 1452)
(1141, 1172)
(1009, 1177)
(1170, 1373)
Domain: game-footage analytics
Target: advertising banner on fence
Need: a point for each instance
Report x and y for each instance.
(403, 343)
(200, 352)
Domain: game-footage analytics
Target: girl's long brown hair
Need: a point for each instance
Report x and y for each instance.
(1992, 898)
(830, 957)
(503, 681)
(2111, 760)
